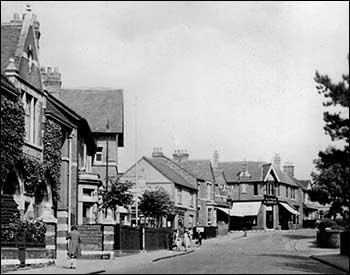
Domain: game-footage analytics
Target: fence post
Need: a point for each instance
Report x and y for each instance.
(50, 239)
(108, 237)
(142, 238)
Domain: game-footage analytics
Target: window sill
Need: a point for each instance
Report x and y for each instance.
(33, 145)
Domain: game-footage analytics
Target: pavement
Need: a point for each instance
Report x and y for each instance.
(88, 266)
(330, 256)
(305, 246)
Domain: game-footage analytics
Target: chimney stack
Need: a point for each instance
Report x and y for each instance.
(277, 160)
(51, 80)
(180, 155)
(157, 152)
(244, 170)
(288, 168)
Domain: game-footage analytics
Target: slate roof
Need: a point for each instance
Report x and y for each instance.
(304, 184)
(283, 177)
(256, 169)
(97, 105)
(201, 169)
(232, 168)
(161, 163)
(9, 41)
(219, 177)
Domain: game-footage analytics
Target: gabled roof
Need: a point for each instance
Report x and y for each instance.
(17, 37)
(97, 105)
(232, 168)
(257, 170)
(70, 118)
(9, 41)
(201, 169)
(283, 177)
(162, 165)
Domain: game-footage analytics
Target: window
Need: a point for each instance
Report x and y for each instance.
(98, 155)
(191, 199)
(209, 191)
(243, 188)
(287, 191)
(32, 118)
(210, 212)
(278, 189)
(255, 189)
(179, 196)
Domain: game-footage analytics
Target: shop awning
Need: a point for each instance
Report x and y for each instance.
(289, 208)
(226, 210)
(241, 209)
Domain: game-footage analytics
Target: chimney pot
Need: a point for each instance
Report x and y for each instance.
(49, 70)
(42, 69)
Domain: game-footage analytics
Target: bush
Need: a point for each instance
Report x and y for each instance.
(332, 224)
(33, 231)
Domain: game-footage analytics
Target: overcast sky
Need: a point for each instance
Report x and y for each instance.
(231, 76)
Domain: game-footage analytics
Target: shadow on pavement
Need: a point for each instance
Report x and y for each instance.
(300, 263)
(298, 237)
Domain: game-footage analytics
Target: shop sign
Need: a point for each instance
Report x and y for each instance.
(270, 200)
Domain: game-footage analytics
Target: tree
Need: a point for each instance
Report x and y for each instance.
(331, 181)
(156, 204)
(119, 194)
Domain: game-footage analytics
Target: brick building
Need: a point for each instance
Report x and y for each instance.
(263, 196)
(160, 171)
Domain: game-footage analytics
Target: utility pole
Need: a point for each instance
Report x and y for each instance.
(136, 172)
(107, 126)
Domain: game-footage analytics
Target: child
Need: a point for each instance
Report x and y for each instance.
(74, 240)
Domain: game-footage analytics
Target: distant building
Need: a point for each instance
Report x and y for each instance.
(262, 195)
(160, 171)
(104, 110)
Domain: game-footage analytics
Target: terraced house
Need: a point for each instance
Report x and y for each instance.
(262, 195)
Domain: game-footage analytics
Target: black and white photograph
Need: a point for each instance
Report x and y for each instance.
(175, 137)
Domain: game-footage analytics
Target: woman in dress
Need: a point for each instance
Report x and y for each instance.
(74, 240)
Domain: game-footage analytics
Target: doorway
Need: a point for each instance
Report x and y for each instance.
(269, 217)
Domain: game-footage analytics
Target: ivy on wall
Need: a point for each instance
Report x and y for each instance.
(32, 171)
(53, 140)
(12, 135)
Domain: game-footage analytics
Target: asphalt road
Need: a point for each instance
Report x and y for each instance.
(258, 253)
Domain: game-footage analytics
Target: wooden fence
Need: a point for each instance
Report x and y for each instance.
(128, 238)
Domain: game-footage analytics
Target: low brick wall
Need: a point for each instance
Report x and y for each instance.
(330, 239)
(344, 243)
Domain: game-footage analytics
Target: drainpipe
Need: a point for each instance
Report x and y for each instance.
(69, 179)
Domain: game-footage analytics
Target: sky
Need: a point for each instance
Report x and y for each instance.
(236, 77)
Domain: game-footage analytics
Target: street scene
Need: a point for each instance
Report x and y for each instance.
(175, 137)
(276, 253)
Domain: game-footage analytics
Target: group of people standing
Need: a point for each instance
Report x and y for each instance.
(185, 239)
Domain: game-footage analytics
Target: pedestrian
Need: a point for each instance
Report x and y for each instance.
(178, 240)
(73, 246)
(171, 240)
(199, 238)
(187, 240)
